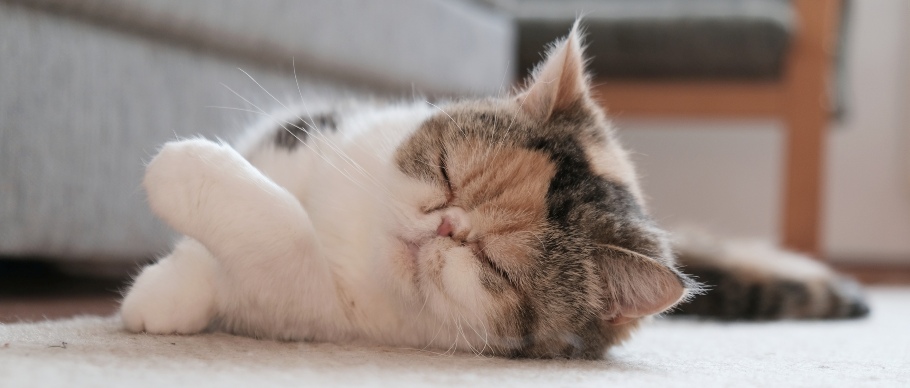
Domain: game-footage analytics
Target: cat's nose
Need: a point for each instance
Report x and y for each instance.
(445, 228)
(454, 224)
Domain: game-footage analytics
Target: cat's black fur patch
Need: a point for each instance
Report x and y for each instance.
(579, 198)
(294, 133)
(585, 207)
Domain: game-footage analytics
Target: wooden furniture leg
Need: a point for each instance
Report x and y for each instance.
(805, 116)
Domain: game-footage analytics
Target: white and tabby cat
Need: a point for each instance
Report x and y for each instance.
(509, 226)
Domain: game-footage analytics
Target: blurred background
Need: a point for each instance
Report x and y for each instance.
(774, 119)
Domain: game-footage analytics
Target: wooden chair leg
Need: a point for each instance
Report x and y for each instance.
(804, 169)
(806, 115)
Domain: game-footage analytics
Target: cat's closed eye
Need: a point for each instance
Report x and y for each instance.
(444, 172)
(491, 264)
(434, 206)
(448, 193)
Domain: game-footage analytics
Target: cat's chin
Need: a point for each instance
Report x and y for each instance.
(407, 255)
(414, 253)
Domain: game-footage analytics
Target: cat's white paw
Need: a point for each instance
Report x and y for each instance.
(180, 178)
(171, 297)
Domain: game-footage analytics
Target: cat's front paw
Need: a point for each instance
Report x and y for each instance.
(180, 179)
(165, 301)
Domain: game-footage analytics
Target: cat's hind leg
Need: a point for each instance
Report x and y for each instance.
(175, 295)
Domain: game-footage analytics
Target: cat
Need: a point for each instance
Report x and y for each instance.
(508, 226)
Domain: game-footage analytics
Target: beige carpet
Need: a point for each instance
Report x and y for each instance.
(93, 351)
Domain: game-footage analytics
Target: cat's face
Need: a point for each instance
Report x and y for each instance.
(528, 223)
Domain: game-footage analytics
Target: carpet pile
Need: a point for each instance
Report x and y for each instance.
(94, 351)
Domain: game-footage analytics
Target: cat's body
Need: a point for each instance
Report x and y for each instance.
(511, 226)
(336, 264)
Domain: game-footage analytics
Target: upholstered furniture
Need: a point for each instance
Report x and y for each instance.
(90, 88)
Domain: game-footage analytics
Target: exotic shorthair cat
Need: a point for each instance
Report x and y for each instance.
(509, 226)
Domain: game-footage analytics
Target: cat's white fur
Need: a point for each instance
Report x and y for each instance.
(269, 250)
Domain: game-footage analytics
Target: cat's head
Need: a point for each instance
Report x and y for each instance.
(529, 222)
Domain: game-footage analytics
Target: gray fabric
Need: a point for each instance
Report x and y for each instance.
(90, 88)
(660, 39)
(82, 108)
(433, 46)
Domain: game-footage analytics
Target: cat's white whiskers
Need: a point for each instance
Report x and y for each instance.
(486, 337)
(624, 250)
(432, 341)
(520, 107)
(436, 354)
(483, 337)
(543, 247)
(341, 153)
(505, 74)
(312, 121)
(318, 132)
(281, 123)
(337, 149)
(345, 158)
(486, 333)
(492, 156)
(469, 341)
(458, 332)
(233, 108)
(297, 82)
(463, 133)
(379, 200)
(454, 346)
(424, 305)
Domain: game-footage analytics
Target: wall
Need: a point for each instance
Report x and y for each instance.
(727, 179)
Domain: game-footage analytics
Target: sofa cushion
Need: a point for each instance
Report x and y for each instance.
(663, 39)
(433, 46)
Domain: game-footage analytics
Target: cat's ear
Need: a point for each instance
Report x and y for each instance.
(559, 83)
(639, 286)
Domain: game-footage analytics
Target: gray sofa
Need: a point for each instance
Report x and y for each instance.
(90, 88)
